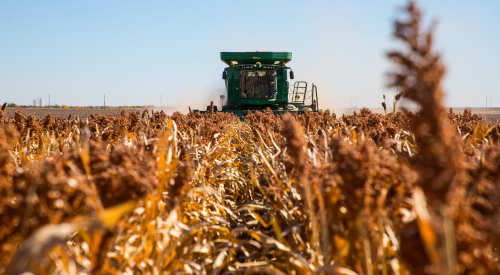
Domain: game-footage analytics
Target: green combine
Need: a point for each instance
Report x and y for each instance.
(259, 80)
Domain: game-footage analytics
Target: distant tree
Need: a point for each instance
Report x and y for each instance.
(12, 105)
(65, 106)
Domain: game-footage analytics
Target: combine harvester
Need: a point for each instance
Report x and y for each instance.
(256, 81)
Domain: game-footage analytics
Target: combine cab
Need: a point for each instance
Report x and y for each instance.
(259, 80)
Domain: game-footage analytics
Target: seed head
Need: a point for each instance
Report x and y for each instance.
(296, 142)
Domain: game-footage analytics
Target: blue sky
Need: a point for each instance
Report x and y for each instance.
(136, 51)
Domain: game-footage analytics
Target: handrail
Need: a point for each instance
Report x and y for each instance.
(308, 97)
(295, 92)
(296, 84)
(315, 93)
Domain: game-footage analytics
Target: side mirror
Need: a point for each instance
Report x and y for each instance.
(224, 75)
(291, 75)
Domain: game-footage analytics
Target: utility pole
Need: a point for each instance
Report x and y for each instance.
(104, 101)
(49, 100)
(486, 103)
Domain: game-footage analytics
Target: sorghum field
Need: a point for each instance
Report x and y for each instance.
(147, 193)
(62, 112)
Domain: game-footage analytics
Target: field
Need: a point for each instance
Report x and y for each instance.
(491, 114)
(83, 113)
(320, 193)
(210, 194)
(66, 112)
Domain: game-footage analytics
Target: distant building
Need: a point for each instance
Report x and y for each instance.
(38, 102)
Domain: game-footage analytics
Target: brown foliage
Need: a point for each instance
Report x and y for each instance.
(305, 194)
(296, 143)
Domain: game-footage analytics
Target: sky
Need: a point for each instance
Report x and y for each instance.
(137, 52)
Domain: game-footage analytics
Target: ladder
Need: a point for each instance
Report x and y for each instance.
(300, 95)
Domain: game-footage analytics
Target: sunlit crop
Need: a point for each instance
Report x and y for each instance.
(319, 193)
